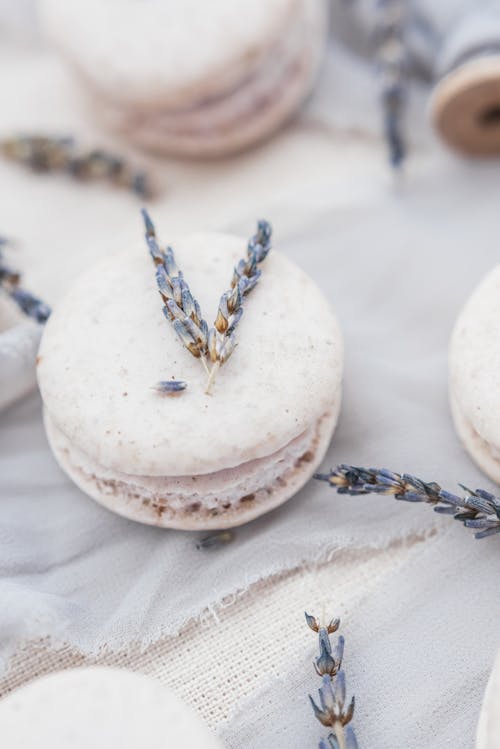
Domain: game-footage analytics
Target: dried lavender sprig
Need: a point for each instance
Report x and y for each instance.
(332, 711)
(246, 274)
(31, 305)
(180, 307)
(479, 509)
(27, 302)
(392, 66)
(43, 154)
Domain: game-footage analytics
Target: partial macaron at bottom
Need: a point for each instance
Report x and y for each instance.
(486, 456)
(218, 500)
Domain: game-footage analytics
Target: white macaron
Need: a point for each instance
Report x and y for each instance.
(190, 78)
(191, 460)
(102, 708)
(475, 375)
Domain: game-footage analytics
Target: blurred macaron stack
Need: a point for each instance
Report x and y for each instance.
(186, 78)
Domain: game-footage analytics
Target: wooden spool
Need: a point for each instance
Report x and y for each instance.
(465, 106)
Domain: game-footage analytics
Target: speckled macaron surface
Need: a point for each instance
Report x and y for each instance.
(187, 77)
(256, 438)
(475, 374)
(99, 708)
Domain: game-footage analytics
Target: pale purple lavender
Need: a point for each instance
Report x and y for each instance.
(221, 338)
(46, 153)
(29, 304)
(170, 387)
(392, 67)
(332, 709)
(479, 509)
(179, 306)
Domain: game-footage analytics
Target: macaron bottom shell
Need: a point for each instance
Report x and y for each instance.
(143, 499)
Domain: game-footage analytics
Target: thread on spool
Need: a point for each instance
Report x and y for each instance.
(453, 46)
(465, 104)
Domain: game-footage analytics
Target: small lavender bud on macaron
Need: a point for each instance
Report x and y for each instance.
(170, 387)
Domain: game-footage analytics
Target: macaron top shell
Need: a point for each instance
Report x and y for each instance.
(144, 50)
(108, 343)
(475, 359)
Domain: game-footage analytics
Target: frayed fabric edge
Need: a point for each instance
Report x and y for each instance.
(46, 642)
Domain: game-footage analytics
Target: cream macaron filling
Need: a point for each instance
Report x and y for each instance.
(213, 498)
